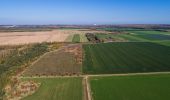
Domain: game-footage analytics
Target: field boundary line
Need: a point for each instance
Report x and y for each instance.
(89, 97)
(128, 74)
(97, 75)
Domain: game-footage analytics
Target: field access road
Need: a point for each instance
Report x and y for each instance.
(97, 75)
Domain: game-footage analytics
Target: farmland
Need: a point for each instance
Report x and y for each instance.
(85, 64)
(58, 62)
(83, 38)
(17, 38)
(76, 38)
(111, 38)
(58, 89)
(14, 63)
(116, 58)
(139, 87)
(166, 42)
(155, 36)
(20, 38)
(150, 35)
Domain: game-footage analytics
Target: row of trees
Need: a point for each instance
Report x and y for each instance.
(92, 37)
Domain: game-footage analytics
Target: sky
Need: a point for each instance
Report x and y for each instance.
(22, 12)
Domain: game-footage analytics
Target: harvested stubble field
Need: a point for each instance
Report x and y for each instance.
(17, 38)
(125, 57)
(57, 89)
(66, 61)
(138, 87)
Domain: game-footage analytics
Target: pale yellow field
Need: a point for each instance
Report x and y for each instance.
(17, 38)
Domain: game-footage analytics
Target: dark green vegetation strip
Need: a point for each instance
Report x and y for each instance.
(58, 89)
(125, 57)
(146, 87)
(12, 64)
(76, 38)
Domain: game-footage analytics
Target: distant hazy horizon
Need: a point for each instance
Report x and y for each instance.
(84, 12)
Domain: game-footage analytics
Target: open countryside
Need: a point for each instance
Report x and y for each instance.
(84, 50)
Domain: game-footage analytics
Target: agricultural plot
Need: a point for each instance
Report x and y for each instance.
(18, 38)
(139, 87)
(16, 61)
(150, 32)
(110, 38)
(152, 35)
(83, 38)
(132, 57)
(67, 61)
(155, 36)
(69, 38)
(58, 89)
(165, 42)
(76, 38)
(133, 38)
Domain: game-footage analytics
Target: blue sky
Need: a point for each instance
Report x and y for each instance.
(84, 11)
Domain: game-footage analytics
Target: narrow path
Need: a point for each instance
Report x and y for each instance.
(85, 94)
(129, 74)
(88, 91)
(98, 75)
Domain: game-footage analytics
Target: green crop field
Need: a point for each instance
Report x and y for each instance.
(150, 32)
(155, 36)
(125, 57)
(140, 87)
(165, 42)
(58, 89)
(76, 38)
(132, 37)
(151, 35)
